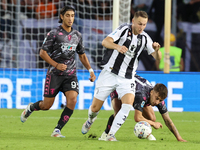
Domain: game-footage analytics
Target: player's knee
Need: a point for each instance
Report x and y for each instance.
(94, 108)
(72, 101)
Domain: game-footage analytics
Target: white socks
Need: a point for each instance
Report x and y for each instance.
(120, 118)
(92, 115)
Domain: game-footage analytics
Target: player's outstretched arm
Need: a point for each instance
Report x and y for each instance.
(169, 123)
(83, 58)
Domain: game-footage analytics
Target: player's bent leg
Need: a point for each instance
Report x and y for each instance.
(92, 114)
(127, 102)
(116, 103)
(148, 113)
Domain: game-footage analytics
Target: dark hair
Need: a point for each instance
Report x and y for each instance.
(142, 14)
(161, 89)
(63, 11)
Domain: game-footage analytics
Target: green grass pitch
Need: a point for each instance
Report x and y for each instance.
(35, 133)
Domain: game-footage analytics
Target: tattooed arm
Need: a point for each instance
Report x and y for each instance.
(169, 123)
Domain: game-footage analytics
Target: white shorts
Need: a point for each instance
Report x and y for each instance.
(107, 82)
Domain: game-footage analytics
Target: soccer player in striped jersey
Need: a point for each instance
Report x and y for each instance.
(146, 96)
(59, 49)
(119, 63)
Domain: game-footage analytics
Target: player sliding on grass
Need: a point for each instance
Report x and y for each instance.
(58, 49)
(146, 96)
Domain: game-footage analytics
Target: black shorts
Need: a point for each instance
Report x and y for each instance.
(55, 83)
(113, 95)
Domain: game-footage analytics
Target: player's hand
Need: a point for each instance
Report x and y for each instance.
(156, 46)
(122, 49)
(157, 125)
(92, 77)
(61, 67)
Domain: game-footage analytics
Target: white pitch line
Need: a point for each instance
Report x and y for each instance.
(5, 116)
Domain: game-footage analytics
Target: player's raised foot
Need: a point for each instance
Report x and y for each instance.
(86, 127)
(110, 137)
(57, 133)
(26, 113)
(151, 138)
(103, 136)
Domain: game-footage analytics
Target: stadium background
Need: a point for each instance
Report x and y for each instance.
(22, 71)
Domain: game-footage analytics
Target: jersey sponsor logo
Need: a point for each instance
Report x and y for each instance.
(68, 47)
(142, 104)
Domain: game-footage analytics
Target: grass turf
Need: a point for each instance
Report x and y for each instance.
(35, 132)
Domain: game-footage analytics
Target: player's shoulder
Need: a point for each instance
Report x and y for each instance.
(145, 34)
(77, 32)
(54, 30)
(124, 26)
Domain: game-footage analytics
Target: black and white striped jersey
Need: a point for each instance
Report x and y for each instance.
(125, 65)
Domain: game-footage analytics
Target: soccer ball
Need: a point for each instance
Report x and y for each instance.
(142, 129)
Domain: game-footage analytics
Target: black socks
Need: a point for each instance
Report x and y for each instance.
(66, 114)
(110, 121)
(35, 106)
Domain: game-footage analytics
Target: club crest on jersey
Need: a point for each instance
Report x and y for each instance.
(69, 37)
(52, 91)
